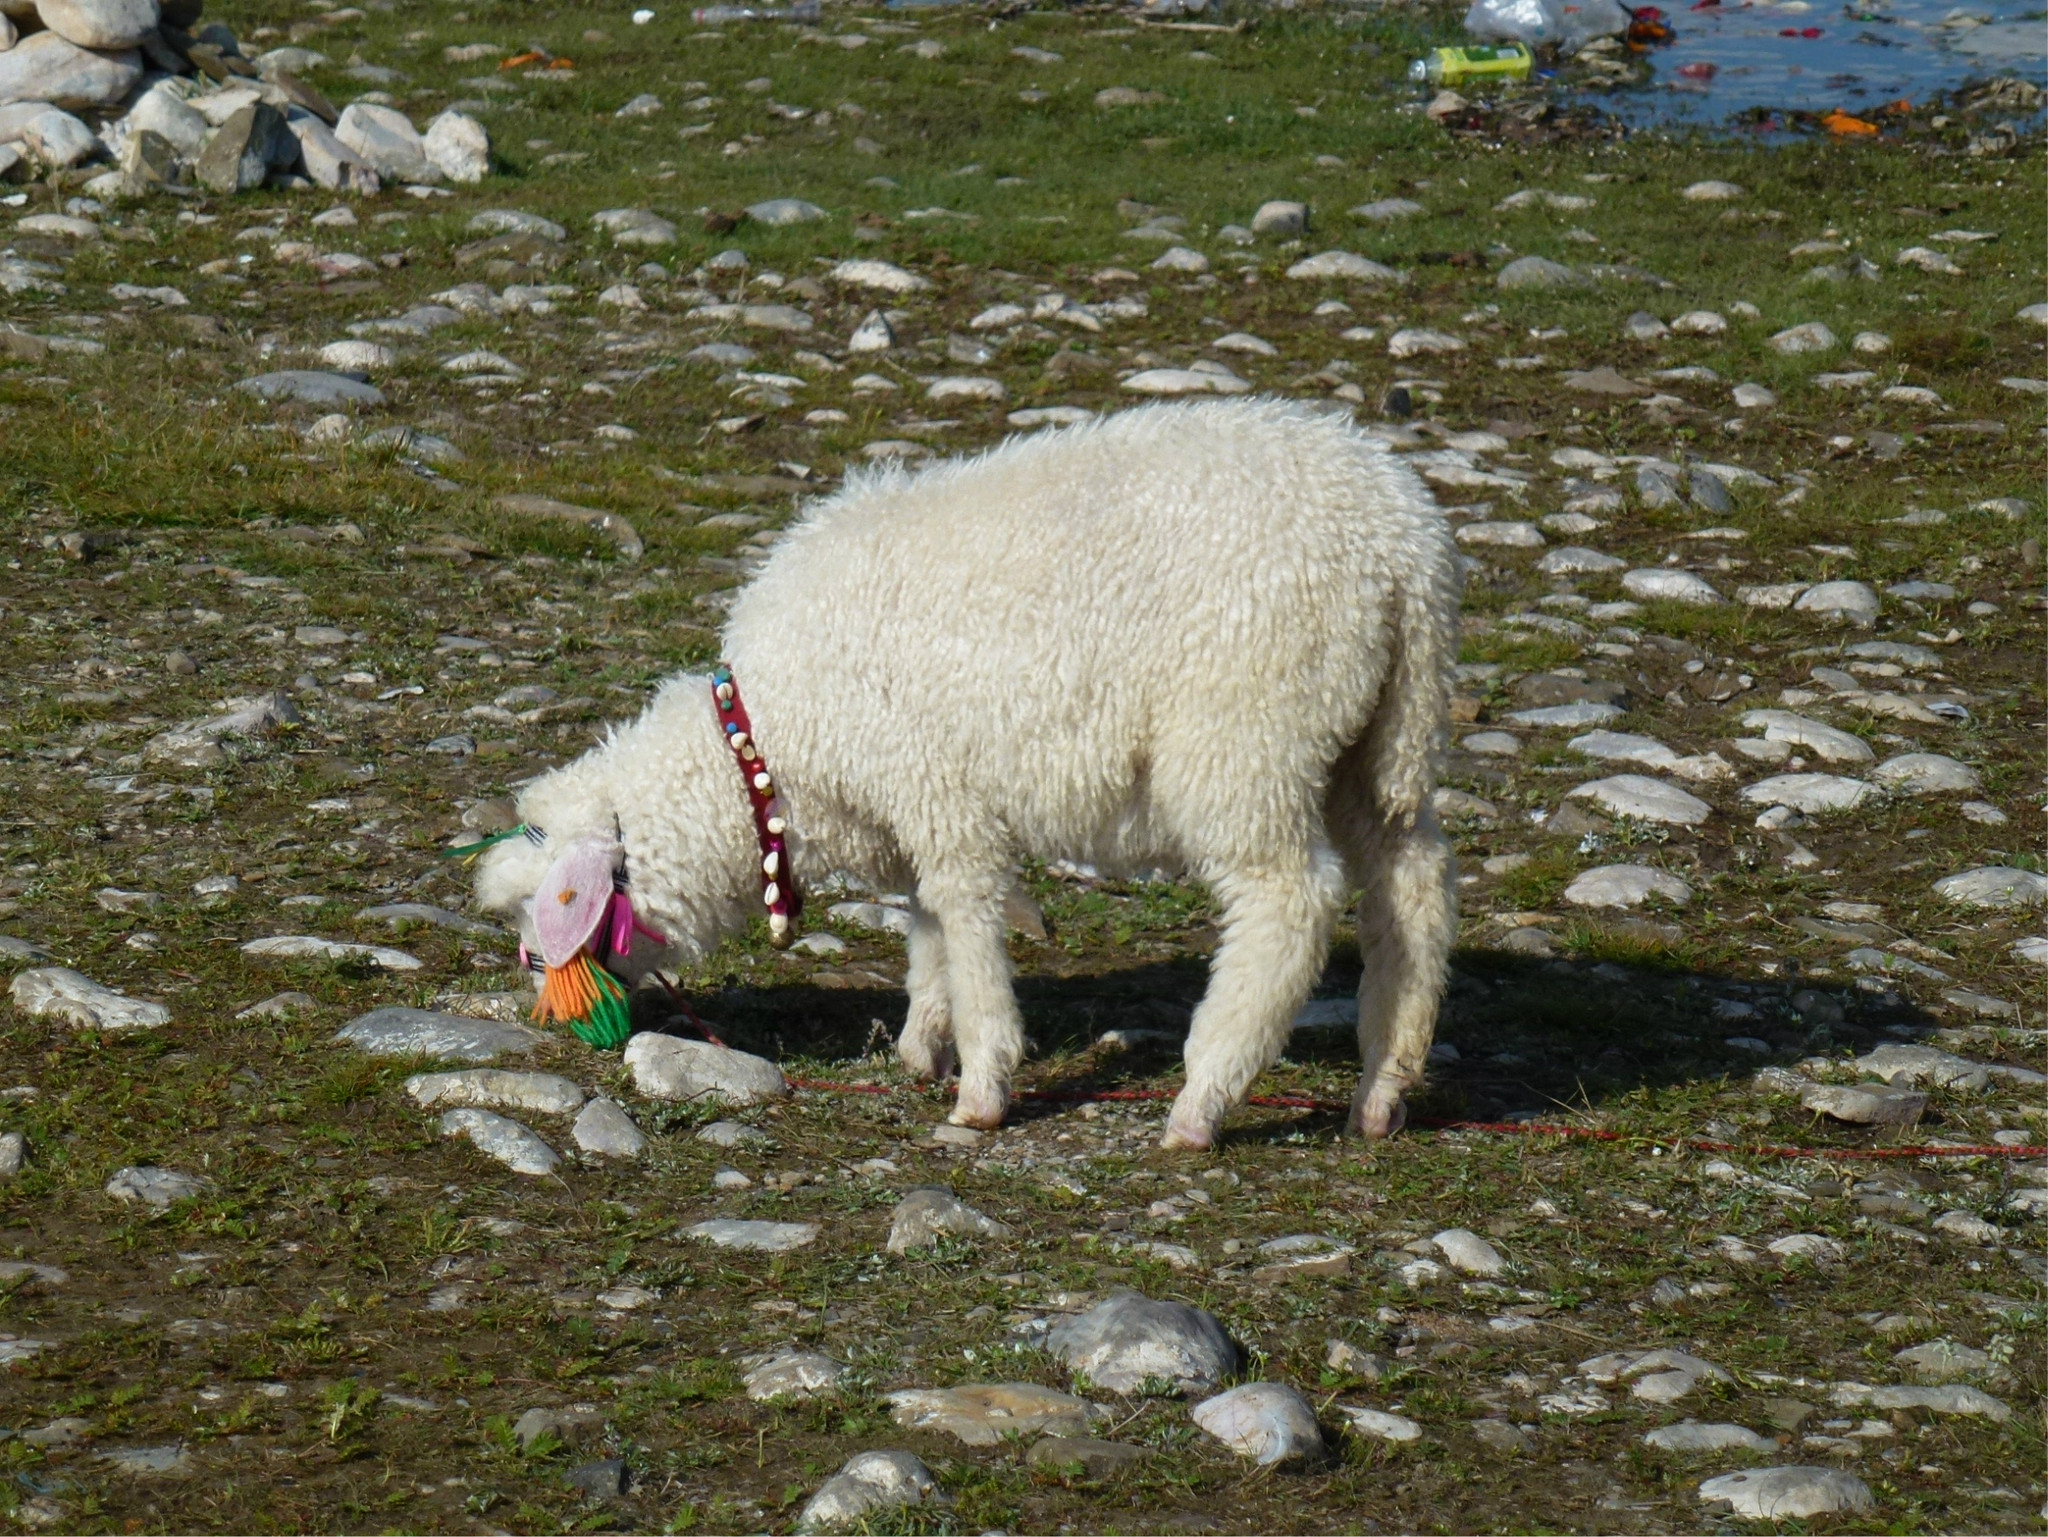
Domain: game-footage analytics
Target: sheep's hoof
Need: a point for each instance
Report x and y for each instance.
(1379, 1114)
(934, 1066)
(1194, 1138)
(983, 1114)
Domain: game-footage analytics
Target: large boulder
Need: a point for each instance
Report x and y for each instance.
(329, 162)
(459, 147)
(100, 23)
(47, 67)
(386, 140)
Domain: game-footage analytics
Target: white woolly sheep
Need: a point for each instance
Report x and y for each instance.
(1215, 637)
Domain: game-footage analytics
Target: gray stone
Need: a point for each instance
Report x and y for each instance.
(1787, 1493)
(669, 1067)
(879, 917)
(1345, 265)
(48, 67)
(1994, 886)
(1539, 272)
(385, 139)
(196, 743)
(458, 146)
(1129, 1340)
(1380, 1425)
(1625, 886)
(15, 948)
(1645, 799)
(1574, 716)
(1864, 1104)
(1944, 1361)
(768, 1237)
(491, 1088)
(395, 913)
(67, 1431)
(1503, 1437)
(1269, 1422)
(1854, 602)
(58, 992)
(1796, 341)
(404, 1032)
(1345, 1357)
(984, 1413)
(791, 1374)
(868, 1484)
(1468, 1253)
(568, 1426)
(280, 1006)
(1387, 210)
(1671, 586)
(310, 947)
(1692, 1436)
(313, 387)
(604, 1128)
(779, 211)
(515, 221)
(878, 276)
(1169, 382)
(925, 1215)
(238, 156)
(603, 1480)
(1095, 1458)
(1833, 745)
(327, 161)
(99, 24)
(1948, 1398)
(517, 1147)
(1576, 560)
(1928, 773)
(1813, 794)
(733, 1134)
(152, 1186)
(635, 227)
(13, 1157)
(144, 1461)
(1281, 219)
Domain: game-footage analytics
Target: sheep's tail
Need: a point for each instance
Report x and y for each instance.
(1410, 728)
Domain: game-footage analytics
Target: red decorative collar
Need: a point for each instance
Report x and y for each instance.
(779, 892)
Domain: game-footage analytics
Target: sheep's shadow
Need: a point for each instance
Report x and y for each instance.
(1525, 1035)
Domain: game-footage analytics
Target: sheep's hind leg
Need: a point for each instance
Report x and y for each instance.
(926, 1045)
(986, 1024)
(1276, 936)
(1407, 920)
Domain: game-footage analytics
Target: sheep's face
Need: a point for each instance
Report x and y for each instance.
(517, 876)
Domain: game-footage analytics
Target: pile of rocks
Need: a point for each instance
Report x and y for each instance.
(176, 106)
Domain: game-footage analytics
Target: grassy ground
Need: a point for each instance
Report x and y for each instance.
(341, 1331)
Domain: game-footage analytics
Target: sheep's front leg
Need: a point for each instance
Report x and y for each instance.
(926, 1045)
(986, 1024)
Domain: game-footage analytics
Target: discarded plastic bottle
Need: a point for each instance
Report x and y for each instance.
(712, 15)
(1484, 61)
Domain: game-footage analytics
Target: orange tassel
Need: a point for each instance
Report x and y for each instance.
(568, 991)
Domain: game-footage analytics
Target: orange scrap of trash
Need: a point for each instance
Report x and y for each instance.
(519, 60)
(561, 63)
(1840, 123)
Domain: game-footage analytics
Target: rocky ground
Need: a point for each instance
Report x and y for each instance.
(328, 523)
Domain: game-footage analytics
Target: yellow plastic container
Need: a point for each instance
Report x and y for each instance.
(1483, 61)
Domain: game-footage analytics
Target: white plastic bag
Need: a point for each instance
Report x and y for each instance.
(1568, 25)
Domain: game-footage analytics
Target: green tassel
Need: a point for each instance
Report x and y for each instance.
(610, 1023)
(471, 850)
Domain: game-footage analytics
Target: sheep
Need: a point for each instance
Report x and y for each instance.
(1215, 637)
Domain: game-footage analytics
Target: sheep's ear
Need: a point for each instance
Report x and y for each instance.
(510, 873)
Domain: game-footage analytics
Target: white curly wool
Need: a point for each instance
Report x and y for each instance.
(1214, 637)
